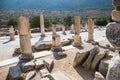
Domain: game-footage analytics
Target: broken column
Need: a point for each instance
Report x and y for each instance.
(63, 30)
(42, 25)
(77, 38)
(24, 35)
(11, 31)
(72, 28)
(54, 29)
(90, 30)
(56, 43)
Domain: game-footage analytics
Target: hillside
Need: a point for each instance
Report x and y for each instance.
(76, 5)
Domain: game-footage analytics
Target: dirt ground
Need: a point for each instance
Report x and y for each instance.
(65, 65)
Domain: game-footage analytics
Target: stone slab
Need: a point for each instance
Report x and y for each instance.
(16, 59)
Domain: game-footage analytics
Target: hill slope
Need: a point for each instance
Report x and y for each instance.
(57, 4)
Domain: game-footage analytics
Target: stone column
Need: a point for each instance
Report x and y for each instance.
(24, 35)
(77, 38)
(63, 30)
(90, 30)
(11, 31)
(42, 25)
(56, 43)
(54, 29)
(72, 28)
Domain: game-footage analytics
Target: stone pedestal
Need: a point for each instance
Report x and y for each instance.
(42, 25)
(63, 30)
(90, 30)
(77, 41)
(11, 31)
(56, 43)
(24, 35)
(72, 28)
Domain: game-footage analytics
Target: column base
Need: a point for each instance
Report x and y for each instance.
(90, 41)
(42, 35)
(56, 48)
(25, 57)
(76, 44)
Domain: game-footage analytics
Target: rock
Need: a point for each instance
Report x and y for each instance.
(17, 51)
(116, 2)
(81, 57)
(46, 78)
(28, 66)
(99, 76)
(62, 54)
(30, 75)
(15, 73)
(58, 76)
(46, 45)
(98, 58)
(116, 15)
(88, 62)
(114, 69)
(44, 73)
(103, 66)
(112, 34)
(49, 63)
(39, 64)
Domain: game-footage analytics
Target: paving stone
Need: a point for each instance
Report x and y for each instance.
(98, 58)
(58, 76)
(44, 73)
(15, 73)
(39, 64)
(49, 63)
(30, 75)
(28, 66)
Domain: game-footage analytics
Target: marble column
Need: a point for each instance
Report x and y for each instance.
(90, 30)
(24, 35)
(77, 37)
(72, 28)
(63, 30)
(54, 29)
(11, 32)
(42, 25)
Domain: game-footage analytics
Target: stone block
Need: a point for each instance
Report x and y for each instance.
(49, 63)
(30, 75)
(46, 78)
(62, 54)
(98, 58)
(103, 66)
(44, 73)
(39, 64)
(116, 15)
(28, 66)
(99, 76)
(88, 62)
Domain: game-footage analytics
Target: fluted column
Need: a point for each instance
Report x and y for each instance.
(42, 25)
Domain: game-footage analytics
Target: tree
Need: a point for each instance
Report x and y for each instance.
(12, 22)
(35, 22)
(101, 22)
(68, 21)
